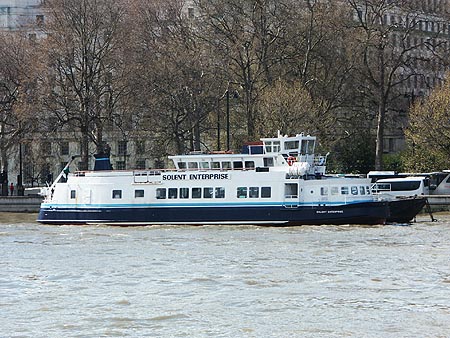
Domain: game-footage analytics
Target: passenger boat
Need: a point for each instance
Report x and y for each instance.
(278, 182)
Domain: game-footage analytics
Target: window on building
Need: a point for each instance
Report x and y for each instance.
(122, 147)
(120, 165)
(39, 20)
(139, 193)
(64, 148)
(46, 148)
(190, 13)
(140, 164)
(116, 194)
(140, 147)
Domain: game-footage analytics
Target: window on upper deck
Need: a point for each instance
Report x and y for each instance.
(268, 161)
(291, 145)
(192, 165)
(204, 165)
(182, 165)
(249, 165)
(226, 165)
(237, 165)
(215, 165)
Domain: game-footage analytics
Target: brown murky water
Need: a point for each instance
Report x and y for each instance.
(326, 281)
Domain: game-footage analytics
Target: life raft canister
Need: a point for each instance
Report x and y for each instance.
(291, 160)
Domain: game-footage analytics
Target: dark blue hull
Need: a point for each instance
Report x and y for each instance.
(358, 213)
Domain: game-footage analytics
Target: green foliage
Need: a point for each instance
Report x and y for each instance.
(354, 154)
(428, 135)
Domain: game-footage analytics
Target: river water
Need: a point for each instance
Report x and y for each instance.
(211, 281)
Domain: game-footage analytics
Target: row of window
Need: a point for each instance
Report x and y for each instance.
(122, 147)
(217, 165)
(353, 190)
(205, 192)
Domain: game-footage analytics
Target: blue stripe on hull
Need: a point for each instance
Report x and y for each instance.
(359, 213)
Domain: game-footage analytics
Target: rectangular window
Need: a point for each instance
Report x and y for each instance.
(268, 161)
(120, 165)
(215, 165)
(249, 165)
(64, 148)
(139, 193)
(291, 145)
(140, 164)
(253, 192)
(192, 165)
(173, 193)
(354, 190)
(122, 147)
(220, 192)
(324, 191)
(184, 192)
(208, 192)
(362, 190)
(334, 190)
(226, 165)
(196, 192)
(160, 193)
(117, 194)
(266, 192)
(182, 165)
(237, 165)
(46, 148)
(204, 165)
(140, 147)
(241, 192)
(73, 194)
(344, 190)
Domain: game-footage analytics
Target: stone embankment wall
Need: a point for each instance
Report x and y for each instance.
(20, 203)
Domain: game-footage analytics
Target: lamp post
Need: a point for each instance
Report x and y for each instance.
(20, 189)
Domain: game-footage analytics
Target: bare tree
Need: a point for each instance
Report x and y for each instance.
(177, 89)
(16, 84)
(83, 81)
(388, 55)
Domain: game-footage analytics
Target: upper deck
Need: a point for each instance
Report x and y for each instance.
(281, 151)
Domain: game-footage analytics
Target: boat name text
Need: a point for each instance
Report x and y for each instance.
(174, 177)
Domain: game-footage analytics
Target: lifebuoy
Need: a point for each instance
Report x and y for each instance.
(291, 160)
